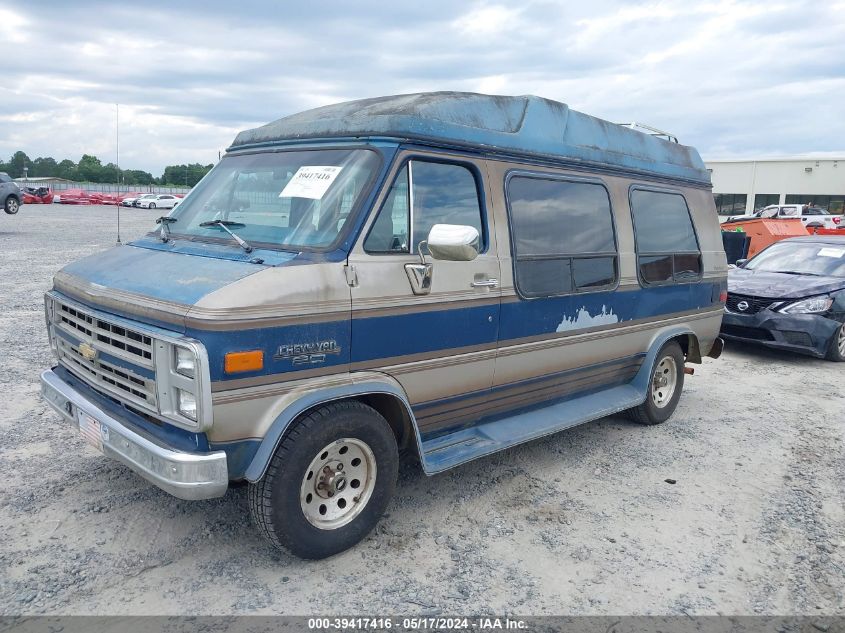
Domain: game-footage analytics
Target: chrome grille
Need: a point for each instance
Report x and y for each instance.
(107, 338)
(119, 341)
(118, 381)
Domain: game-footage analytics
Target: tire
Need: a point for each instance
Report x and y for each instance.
(300, 506)
(152, 205)
(660, 404)
(12, 205)
(836, 351)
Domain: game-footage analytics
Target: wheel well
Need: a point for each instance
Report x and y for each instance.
(690, 347)
(393, 410)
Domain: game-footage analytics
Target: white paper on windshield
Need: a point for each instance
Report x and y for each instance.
(831, 252)
(310, 181)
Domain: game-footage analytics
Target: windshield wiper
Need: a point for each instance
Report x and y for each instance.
(165, 222)
(795, 272)
(225, 224)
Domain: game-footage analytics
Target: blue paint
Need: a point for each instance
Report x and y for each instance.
(239, 455)
(218, 344)
(543, 316)
(427, 331)
(175, 277)
(524, 125)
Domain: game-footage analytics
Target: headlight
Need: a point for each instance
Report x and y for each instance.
(186, 362)
(187, 403)
(814, 305)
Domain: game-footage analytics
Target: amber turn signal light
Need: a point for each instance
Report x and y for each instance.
(237, 362)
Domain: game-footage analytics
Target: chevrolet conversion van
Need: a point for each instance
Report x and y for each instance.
(444, 274)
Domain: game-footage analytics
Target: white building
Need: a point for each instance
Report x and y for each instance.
(745, 185)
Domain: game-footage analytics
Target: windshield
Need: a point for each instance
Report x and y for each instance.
(287, 199)
(804, 258)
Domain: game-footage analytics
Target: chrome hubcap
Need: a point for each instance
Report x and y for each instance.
(842, 340)
(338, 483)
(664, 381)
(13, 206)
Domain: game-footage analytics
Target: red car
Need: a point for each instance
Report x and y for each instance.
(41, 195)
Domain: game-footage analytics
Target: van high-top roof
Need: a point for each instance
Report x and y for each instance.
(524, 125)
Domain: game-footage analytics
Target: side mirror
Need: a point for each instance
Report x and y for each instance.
(740, 263)
(453, 242)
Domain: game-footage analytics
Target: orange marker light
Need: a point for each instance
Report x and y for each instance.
(237, 362)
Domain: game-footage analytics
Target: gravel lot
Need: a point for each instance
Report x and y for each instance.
(580, 523)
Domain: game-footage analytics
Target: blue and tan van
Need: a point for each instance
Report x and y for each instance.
(440, 275)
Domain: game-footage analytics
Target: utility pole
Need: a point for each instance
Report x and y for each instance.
(117, 159)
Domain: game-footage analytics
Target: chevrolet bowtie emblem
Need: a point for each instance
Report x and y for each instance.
(87, 351)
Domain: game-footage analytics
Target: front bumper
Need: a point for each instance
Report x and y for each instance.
(184, 475)
(803, 333)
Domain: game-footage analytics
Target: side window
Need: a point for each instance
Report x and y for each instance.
(666, 243)
(429, 193)
(563, 236)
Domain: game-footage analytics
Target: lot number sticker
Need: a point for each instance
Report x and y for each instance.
(311, 181)
(831, 252)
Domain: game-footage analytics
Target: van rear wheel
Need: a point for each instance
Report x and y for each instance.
(665, 387)
(329, 481)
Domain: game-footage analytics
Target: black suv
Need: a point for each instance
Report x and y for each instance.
(10, 194)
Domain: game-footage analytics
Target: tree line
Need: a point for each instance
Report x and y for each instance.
(91, 169)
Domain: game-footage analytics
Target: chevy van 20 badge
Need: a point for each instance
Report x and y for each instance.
(445, 274)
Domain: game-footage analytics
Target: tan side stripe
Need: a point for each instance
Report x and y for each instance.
(555, 382)
(437, 355)
(280, 389)
(225, 325)
(454, 304)
(525, 398)
(272, 379)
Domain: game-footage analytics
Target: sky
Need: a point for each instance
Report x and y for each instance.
(732, 78)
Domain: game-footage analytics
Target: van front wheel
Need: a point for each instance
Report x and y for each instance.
(329, 481)
(664, 388)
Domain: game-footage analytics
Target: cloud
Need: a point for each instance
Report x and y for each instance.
(730, 77)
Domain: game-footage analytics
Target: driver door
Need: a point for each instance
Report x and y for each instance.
(441, 344)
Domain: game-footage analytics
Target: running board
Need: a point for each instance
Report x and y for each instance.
(456, 448)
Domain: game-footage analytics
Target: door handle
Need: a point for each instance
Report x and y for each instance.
(485, 283)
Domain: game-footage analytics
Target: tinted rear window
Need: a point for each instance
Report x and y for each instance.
(560, 217)
(662, 222)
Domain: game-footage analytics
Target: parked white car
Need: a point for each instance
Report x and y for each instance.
(160, 201)
(133, 202)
